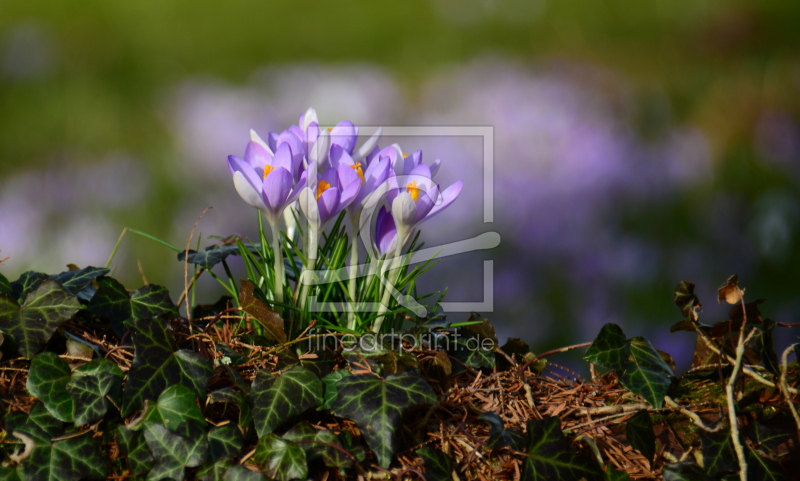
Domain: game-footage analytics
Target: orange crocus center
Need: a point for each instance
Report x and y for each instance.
(359, 170)
(322, 187)
(267, 170)
(413, 190)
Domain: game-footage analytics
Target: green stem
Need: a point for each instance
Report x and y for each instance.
(392, 273)
(277, 252)
(351, 316)
(311, 264)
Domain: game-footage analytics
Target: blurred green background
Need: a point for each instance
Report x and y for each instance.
(637, 143)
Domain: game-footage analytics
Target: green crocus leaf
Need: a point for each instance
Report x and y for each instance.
(224, 442)
(174, 406)
(280, 459)
(157, 365)
(269, 319)
(26, 283)
(133, 446)
(77, 280)
(234, 396)
(278, 398)
(174, 451)
(438, 466)
(550, 457)
(639, 431)
(93, 387)
(47, 381)
(42, 311)
(331, 382)
(499, 436)
(646, 373)
(684, 471)
(5, 286)
(610, 348)
(56, 454)
(719, 457)
(379, 406)
(113, 302)
(612, 474)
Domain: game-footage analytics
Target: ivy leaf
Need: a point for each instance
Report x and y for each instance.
(11, 474)
(612, 474)
(47, 381)
(234, 396)
(269, 319)
(280, 459)
(226, 470)
(157, 365)
(42, 311)
(213, 255)
(610, 348)
(278, 398)
(770, 433)
(438, 466)
(476, 343)
(332, 457)
(684, 471)
(550, 457)
(719, 457)
(331, 381)
(639, 431)
(174, 406)
(26, 283)
(763, 345)
(59, 455)
(499, 436)
(173, 452)
(379, 406)
(88, 387)
(763, 469)
(75, 281)
(240, 473)
(646, 373)
(113, 302)
(687, 301)
(224, 442)
(133, 446)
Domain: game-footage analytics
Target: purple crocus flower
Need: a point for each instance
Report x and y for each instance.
(264, 180)
(326, 196)
(370, 178)
(385, 233)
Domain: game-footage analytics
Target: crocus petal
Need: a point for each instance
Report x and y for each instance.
(425, 202)
(319, 151)
(308, 205)
(257, 156)
(283, 158)
(255, 138)
(448, 196)
(404, 211)
(329, 205)
(350, 183)
(275, 191)
(339, 156)
(308, 117)
(235, 164)
(298, 149)
(412, 161)
(385, 232)
(435, 167)
(272, 141)
(297, 189)
(247, 192)
(368, 146)
(345, 134)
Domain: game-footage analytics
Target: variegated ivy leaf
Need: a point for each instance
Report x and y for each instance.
(47, 381)
(379, 406)
(278, 398)
(93, 387)
(42, 311)
(646, 373)
(280, 459)
(157, 365)
(549, 456)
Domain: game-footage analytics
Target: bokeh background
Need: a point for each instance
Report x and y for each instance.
(637, 143)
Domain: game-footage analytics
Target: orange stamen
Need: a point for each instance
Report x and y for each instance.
(413, 190)
(359, 171)
(322, 187)
(267, 170)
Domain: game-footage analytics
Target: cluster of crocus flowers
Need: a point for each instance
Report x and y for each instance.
(320, 173)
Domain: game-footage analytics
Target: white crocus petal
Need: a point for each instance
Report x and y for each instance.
(370, 144)
(404, 211)
(247, 191)
(309, 117)
(308, 204)
(255, 138)
(319, 151)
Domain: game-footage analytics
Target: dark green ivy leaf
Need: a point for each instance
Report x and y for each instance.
(646, 373)
(227, 470)
(549, 455)
(438, 466)
(240, 473)
(763, 469)
(639, 431)
(770, 433)
(213, 255)
(280, 459)
(610, 348)
(379, 406)
(234, 396)
(113, 302)
(133, 446)
(157, 365)
(5, 286)
(91, 386)
(174, 451)
(612, 474)
(26, 283)
(499, 436)
(719, 457)
(77, 280)
(476, 343)
(687, 301)
(224, 442)
(47, 381)
(331, 382)
(174, 406)
(332, 457)
(42, 311)
(684, 471)
(278, 398)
